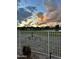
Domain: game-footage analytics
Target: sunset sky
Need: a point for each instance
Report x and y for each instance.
(39, 4)
(27, 8)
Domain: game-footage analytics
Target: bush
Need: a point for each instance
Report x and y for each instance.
(26, 51)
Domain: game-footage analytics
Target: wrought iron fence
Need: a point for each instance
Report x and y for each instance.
(42, 43)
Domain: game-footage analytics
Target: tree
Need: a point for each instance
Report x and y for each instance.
(57, 27)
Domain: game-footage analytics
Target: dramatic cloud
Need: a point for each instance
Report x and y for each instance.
(22, 14)
(53, 12)
(51, 16)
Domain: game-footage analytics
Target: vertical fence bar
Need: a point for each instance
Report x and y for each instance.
(19, 43)
(19, 40)
(48, 44)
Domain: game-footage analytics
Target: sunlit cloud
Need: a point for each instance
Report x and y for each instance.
(51, 14)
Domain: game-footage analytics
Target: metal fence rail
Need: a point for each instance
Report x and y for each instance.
(41, 42)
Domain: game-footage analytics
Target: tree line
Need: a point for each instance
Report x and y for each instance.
(57, 27)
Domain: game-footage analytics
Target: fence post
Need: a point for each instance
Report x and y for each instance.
(19, 40)
(48, 45)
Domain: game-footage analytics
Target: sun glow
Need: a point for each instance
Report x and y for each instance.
(37, 22)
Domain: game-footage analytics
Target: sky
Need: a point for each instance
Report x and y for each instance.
(39, 4)
(23, 12)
